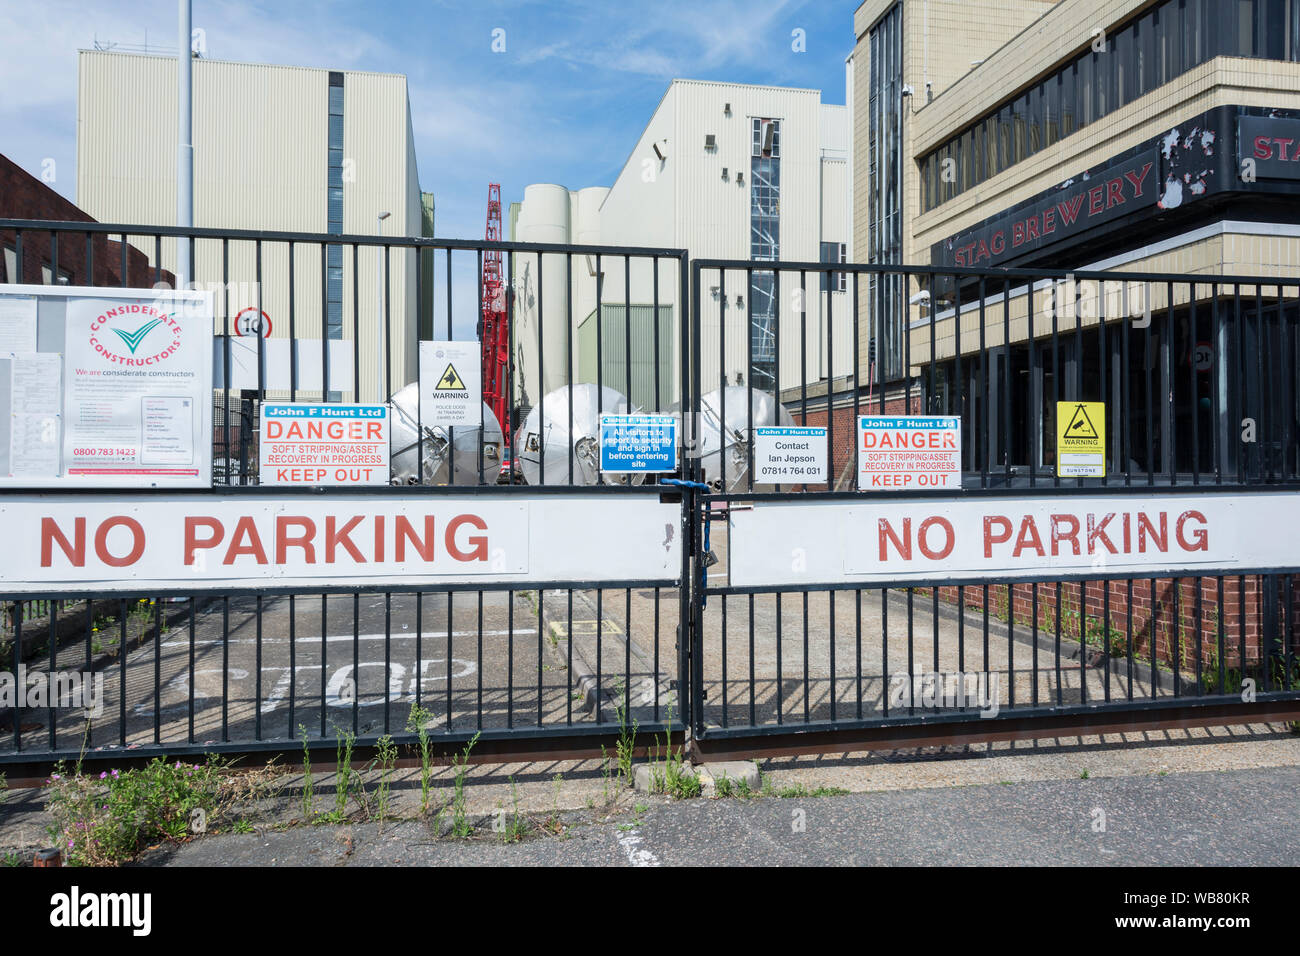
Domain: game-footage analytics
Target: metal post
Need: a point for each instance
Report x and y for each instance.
(184, 138)
(379, 311)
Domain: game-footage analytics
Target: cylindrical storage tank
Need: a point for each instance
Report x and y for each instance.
(586, 231)
(441, 465)
(546, 442)
(544, 217)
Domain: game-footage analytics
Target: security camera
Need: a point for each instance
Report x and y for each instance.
(908, 91)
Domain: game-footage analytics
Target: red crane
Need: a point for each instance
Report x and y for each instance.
(494, 328)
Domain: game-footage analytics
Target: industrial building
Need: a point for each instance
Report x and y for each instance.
(1125, 135)
(276, 148)
(724, 170)
(1151, 136)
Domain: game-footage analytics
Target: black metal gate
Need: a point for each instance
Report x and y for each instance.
(1198, 379)
(1198, 376)
(554, 662)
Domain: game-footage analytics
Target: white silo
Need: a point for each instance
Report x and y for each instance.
(544, 217)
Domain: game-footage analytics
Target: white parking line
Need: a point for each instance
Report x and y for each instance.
(346, 638)
(630, 841)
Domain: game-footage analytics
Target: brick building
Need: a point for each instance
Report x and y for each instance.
(1152, 136)
(70, 259)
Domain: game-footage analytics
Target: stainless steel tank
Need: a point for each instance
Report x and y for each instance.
(440, 466)
(728, 442)
(546, 442)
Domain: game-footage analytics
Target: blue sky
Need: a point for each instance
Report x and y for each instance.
(564, 103)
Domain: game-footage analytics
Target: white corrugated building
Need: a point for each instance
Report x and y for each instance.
(723, 170)
(276, 148)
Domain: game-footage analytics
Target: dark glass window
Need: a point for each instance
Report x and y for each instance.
(1068, 116)
(1034, 120)
(1052, 110)
(1168, 40)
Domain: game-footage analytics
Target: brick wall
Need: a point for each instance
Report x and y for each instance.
(1165, 615)
(23, 196)
(842, 431)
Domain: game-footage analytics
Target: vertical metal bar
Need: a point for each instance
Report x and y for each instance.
(257, 681)
(293, 661)
(510, 653)
(324, 648)
(451, 636)
(388, 647)
(479, 659)
(541, 373)
(387, 356)
(1194, 396)
(225, 667)
(1033, 641)
(52, 645)
(190, 695)
(356, 662)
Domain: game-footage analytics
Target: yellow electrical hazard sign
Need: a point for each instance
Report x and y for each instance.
(1081, 439)
(450, 379)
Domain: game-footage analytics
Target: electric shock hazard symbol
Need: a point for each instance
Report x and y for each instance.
(1081, 439)
(451, 387)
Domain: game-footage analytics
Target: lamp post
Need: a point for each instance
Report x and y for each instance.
(379, 315)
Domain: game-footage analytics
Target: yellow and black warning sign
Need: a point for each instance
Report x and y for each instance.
(1081, 439)
(451, 384)
(450, 379)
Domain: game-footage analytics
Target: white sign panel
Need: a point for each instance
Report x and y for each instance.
(17, 323)
(35, 399)
(119, 395)
(790, 455)
(302, 443)
(987, 538)
(451, 386)
(908, 453)
(134, 368)
(143, 543)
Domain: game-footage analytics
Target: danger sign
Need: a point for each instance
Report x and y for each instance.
(307, 444)
(451, 388)
(1081, 439)
(911, 452)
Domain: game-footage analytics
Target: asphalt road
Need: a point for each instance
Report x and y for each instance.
(1233, 818)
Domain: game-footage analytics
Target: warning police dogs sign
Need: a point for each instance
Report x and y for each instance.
(1081, 439)
(451, 388)
(911, 452)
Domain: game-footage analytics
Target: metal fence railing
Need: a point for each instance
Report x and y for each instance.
(319, 318)
(1197, 378)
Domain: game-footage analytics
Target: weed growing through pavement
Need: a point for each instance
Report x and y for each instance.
(723, 786)
(799, 790)
(516, 826)
(626, 736)
(668, 771)
(343, 778)
(387, 760)
(308, 786)
(11, 859)
(417, 720)
(106, 819)
(460, 825)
